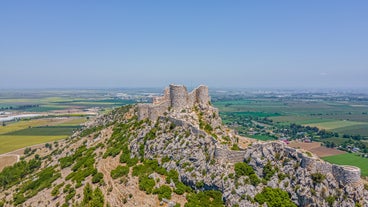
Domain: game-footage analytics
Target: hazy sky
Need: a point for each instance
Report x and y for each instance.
(233, 43)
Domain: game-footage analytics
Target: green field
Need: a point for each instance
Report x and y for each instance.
(335, 124)
(350, 159)
(44, 131)
(11, 143)
(62, 113)
(343, 117)
(25, 133)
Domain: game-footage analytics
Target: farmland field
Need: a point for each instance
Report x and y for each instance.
(335, 124)
(350, 159)
(337, 116)
(25, 133)
(44, 131)
(10, 143)
(60, 113)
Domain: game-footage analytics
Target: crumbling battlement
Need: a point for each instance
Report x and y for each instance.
(342, 173)
(175, 97)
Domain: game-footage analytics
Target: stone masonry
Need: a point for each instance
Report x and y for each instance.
(177, 98)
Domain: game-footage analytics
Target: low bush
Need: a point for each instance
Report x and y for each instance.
(119, 171)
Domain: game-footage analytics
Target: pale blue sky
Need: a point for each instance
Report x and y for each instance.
(293, 44)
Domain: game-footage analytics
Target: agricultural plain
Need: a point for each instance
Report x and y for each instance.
(338, 116)
(59, 114)
(266, 116)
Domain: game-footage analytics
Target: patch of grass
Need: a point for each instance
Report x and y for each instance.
(350, 159)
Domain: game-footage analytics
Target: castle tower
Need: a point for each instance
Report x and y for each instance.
(178, 96)
(202, 97)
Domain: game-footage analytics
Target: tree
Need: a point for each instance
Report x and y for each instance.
(242, 169)
(274, 197)
(98, 198)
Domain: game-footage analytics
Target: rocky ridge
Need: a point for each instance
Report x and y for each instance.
(185, 134)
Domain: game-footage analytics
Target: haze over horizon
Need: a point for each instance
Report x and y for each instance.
(269, 44)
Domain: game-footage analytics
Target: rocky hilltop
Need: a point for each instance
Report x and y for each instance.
(176, 152)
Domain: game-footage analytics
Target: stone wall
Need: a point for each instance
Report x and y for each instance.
(229, 156)
(175, 97)
(342, 174)
(346, 174)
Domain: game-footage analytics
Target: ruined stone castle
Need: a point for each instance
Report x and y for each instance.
(177, 98)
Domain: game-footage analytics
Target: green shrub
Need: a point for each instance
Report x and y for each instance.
(165, 159)
(235, 147)
(254, 180)
(199, 184)
(330, 200)
(268, 171)
(55, 190)
(14, 174)
(281, 176)
(181, 188)
(44, 180)
(318, 177)
(98, 177)
(209, 198)
(163, 192)
(92, 198)
(19, 198)
(146, 184)
(242, 168)
(172, 175)
(274, 197)
(119, 171)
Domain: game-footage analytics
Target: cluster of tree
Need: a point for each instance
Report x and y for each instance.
(274, 197)
(119, 171)
(243, 169)
(29, 189)
(82, 162)
(14, 174)
(209, 198)
(354, 137)
(92, 197)
(354, 144)
(20, 107)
